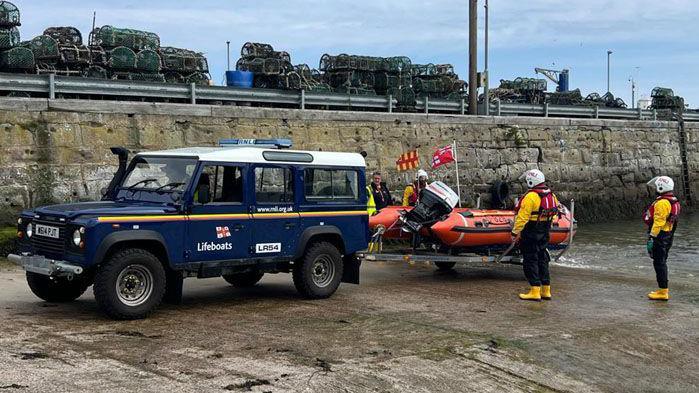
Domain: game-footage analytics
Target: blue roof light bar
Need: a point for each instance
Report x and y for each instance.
(280, 143)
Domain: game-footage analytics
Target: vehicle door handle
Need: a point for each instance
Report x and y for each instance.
(238, 227)
(289, 225)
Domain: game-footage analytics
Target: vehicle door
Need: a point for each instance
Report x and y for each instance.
(276, 221)
(219, 225)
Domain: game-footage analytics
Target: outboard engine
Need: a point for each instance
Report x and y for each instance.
(437, 200)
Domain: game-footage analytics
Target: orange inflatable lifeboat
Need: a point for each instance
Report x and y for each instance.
(466, 227)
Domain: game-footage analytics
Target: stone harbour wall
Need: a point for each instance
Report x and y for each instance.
(57, 151)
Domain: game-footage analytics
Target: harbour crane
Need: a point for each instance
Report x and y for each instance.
(560, 78)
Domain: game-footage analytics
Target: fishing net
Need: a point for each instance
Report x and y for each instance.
(95, 72)
(75, 54)
(384, 81)
(122, 58)
(350, 78)
(665, 99)
(266, 66)
(573, 97)
(112, 37)
(19, 58)
(45, 48)
(9, 15)
(98, 56)
(137, 76)
(148, 61)
(9, 38)
(199, 78)
(65, 35)
(397, 64)
(361, 91)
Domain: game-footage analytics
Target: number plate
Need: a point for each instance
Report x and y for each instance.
(47, 231)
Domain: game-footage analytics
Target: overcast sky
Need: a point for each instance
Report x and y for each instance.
(654, 41)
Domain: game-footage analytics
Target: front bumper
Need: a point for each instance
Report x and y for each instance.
(44, 266)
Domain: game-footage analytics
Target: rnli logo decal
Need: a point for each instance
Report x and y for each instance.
(222, 232)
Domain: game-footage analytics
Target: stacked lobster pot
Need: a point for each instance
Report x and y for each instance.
(130, 54)
(437, 81)
(351, 74)
(184, 66)
(60, 50)
(521, 91)
(608, 100)
(272, 69)
(13, 56)
(665, 99)
(311, 80)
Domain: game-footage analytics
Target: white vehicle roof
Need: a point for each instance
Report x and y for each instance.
(257, 155)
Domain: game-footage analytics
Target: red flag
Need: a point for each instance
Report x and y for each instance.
(408, 161)
(443, 156)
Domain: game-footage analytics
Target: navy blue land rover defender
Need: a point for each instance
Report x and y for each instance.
(238, 211)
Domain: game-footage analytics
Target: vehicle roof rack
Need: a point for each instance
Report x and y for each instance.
(279, 143)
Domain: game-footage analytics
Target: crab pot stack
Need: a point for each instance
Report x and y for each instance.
(130, 54)
(272, 69)
(572, 97)
(311, 79)
(60, 50)
(521, 90)
(665, 99)
(608, 100)
(184, 65)
(437, 81)
(13, 57)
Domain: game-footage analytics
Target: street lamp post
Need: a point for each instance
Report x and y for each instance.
(609, 63)
(486, 85)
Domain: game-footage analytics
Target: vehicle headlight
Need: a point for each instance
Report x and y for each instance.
(29, 231)
(78, 236)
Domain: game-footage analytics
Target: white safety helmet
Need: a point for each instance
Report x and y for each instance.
(533, 177)
(662, 184)
(421, 173)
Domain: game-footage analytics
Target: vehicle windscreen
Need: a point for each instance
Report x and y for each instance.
(157, 175)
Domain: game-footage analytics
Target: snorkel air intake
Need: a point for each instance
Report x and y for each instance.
(123, 155)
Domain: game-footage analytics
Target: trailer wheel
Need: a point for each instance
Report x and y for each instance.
(130, 285)
(56, 289)
(445, 266)
(318, 274)
(243, 280)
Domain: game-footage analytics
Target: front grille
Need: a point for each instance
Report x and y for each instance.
(48, 246)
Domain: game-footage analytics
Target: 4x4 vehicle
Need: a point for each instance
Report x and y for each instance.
(237, 211)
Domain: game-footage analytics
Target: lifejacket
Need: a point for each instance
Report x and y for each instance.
(415, 196)
(548, 208)
(649, 214)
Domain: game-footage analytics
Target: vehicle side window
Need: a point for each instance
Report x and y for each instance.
(220, 184)
(274, 185)
(328, 184)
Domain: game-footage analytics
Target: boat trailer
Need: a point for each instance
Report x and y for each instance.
(446, 261)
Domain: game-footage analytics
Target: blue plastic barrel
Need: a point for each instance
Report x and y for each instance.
(241, 79)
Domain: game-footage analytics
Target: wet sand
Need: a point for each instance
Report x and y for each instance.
(405, 329)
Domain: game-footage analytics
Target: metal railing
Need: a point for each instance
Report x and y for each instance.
(53, 87)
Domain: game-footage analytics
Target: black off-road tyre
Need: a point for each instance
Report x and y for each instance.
(445, 266)
(56, 289)
(244, 280)
(143, 282)
(318, 273)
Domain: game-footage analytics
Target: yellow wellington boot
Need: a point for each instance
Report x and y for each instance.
(534, 294)
(546, 292)
(660, 294)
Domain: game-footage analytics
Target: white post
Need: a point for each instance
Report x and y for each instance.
(458, 182)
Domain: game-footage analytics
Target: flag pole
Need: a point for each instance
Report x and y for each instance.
(456, 163)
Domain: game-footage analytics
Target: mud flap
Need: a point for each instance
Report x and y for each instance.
(351, 269)
(173, 288)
